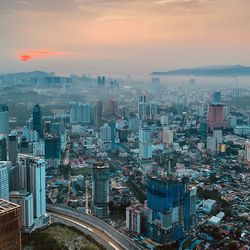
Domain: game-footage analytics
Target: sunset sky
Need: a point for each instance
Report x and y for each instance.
(118, 37)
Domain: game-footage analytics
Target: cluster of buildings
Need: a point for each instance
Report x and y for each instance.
(157, 157)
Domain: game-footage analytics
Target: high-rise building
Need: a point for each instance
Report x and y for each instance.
(211, 144)
(52, 150)
(4, 180)
(3, 148)
(12, 149)
(98, 113)
(25, 200)
(153, 110)
(217, 97)
(171, 204)
(4, 119)
(84, 112)
(10, 226)
(105, 141)
(112, 107)
(145, 145)
(32, 180)
(142, 110)
(203, 131)
(37, 120)
(73, 110)
(216, 118)
(100, 190)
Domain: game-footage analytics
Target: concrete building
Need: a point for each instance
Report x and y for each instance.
(37, 120)
(25, 200)
(4, 119)
(4, 180)
(32, 180)
(100, 190)
(12, 149)
(3, 148)
(145, 145)
(105, 141)
(52, 150)
(172, 211)
(10, 226)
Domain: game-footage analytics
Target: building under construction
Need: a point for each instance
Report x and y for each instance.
(10, 226)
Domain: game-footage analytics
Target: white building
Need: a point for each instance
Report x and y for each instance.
(25, 200)
(145, 145)
(32, 179)
(105, 138)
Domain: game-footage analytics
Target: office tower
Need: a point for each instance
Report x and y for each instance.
(112, 126)
(37, 120)
(171, 204)
(32, 180)
(4, 119)
(216, 118)
(133, 123)
(47, 127)
(3, 148)
(12, 149)
(125, 113)
(10, 227)
(73, 110)
(85, 113)
(123, 135)
(142, 110)
(52, 150)
(98, 113)
(105, 141)
(112, 107)
(4, 180)
(168, 136)
(145, 146)
(217, 97)
(25, 200)
(100, 190)
(153, 110)
(39, 148)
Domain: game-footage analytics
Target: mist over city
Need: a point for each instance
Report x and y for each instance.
(124, 124)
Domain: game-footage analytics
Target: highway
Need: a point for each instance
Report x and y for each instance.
(102, 232)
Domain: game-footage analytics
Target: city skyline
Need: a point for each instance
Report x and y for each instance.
(122, 37)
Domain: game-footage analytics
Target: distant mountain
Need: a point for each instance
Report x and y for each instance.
(230, 70)
(27, 74)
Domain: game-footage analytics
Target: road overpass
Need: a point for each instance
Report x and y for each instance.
(99, 230)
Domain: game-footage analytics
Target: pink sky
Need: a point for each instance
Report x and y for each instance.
(122, 37)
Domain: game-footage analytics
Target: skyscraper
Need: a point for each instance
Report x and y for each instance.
(53, 150)
(4, 180)
(4, 119)
(216, 117)
(100, 190)
(32, 180)
(12, 149)
(3, 148)
(37, 120)
(105, 141)
(98, 113)
(10, 228)
(171, 204)
(145, 145)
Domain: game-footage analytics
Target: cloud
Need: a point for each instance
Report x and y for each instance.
(112, 18)
(41, 54)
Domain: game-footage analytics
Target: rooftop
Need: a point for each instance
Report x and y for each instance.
(6, 206)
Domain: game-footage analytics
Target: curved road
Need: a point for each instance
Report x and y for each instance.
(92, 226)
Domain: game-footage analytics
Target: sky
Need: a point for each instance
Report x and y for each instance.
(118, 37)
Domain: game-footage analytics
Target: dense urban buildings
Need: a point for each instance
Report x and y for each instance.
(4, 119)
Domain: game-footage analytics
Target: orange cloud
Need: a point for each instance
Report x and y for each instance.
(40, 54)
